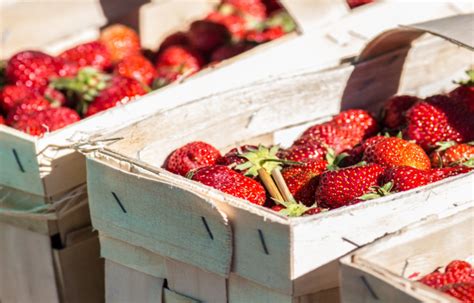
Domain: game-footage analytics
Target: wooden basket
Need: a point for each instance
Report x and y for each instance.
(48, 166)
(35, 267)
(379, 272)
(135, 201)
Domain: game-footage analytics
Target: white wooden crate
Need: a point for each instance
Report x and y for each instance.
(31, 270)
(139, 275)
(379, 272)
(47, 166)
(135, 201)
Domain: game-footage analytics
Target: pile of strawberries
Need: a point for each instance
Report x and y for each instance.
(40, 93)
(457, 280)
(347, 160)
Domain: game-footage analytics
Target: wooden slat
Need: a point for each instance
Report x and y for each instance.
(134, 257)
(125, 285)
(380, 271)
(26, 266)
(202, 237)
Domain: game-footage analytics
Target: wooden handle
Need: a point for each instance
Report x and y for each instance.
(281, 184)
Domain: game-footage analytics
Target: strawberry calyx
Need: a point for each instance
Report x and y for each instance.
(468, 82)
(444, 145)
(334, 160)
(84, 87)
(378, 191)
(281, 19)
(293, 208)
(262, 157)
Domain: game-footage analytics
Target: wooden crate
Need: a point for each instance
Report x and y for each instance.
(49, 166)
(137, 202)
(57, 20)
(34, 268)
(135, 272)
(380, 271)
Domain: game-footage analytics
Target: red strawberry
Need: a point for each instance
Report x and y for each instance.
(255, 8)
(456, 272)
(234, 158)
(435, 279)
(356, 3)
(178, 39)
(235, 24)
(465, 92)
(268, 34)
(464, 292)
(192, 156)
(32, 69)
(451, 153)
(306, 149)
(93, 54)
(120, 90)
(393, 151)
(272, 5)
(177, 62)
(230, 182)
(356, 154)
(302, 179)
(2, 120)
(229, 51)
(12, 95)
(120, 41)
(136, 67)
(406, 177)
(446, 172)
(26, 107)
(345, 186)
(37, 123)
(395, 108)
(438, 119)
(206, 36)
(359, 122)
(330, 134)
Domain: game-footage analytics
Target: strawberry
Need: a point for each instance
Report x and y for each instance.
(26, 107)
(456, 271)
(446, 172)
(234, 157)
(230, 182)
(37, 123)
(302, 179)
(268, 34)
(465, 92)
(32, 69)
(356, 154)
(192, 156)
(12, 95)
(345, 186)
(93, 54)
(175, 39)
(120, 90)
(177, 62)
(306, 149)
(272, 6)
(235, 24)
(206, 36)
(255, 8)
(330, 134)
(2, 120)
(359, 122)
(120, 41)
(261, 157)
(395, 108)
(449, 154)
(393, 151)
(464, 292)
(438, 119)
(355, 3)
(405, 177)
(229, 51)
(136, 67)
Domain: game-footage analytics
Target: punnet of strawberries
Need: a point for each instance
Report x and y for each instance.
(40, 93)
(352, 158)
(456, 280)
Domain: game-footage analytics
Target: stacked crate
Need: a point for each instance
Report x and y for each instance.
(196, 242)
